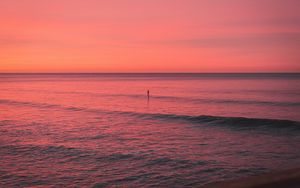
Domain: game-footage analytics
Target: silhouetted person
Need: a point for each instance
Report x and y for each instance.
(148, 94)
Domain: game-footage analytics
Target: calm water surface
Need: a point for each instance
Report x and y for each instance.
(98, 130)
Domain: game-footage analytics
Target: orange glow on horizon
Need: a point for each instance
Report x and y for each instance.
(149, 36)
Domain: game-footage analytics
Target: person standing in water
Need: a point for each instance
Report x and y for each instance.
(148, 94)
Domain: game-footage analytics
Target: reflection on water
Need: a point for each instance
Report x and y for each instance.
(101, 130)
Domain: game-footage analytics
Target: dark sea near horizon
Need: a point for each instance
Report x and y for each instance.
(100, 130)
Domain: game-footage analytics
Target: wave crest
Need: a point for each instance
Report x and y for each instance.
(239, 122)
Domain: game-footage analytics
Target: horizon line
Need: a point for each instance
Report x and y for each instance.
(149, 72)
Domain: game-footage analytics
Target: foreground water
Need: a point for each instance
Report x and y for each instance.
(97, 130)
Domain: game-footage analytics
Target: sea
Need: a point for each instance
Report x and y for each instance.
(102, 130)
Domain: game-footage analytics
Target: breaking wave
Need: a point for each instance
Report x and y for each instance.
(239, 122)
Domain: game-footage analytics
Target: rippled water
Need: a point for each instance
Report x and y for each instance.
(97, 130)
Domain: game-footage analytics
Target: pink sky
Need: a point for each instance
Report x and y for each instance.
(149, 36)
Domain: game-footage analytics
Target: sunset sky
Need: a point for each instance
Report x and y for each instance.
(149, 36)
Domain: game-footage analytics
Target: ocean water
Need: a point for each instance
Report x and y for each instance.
(100, 130)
